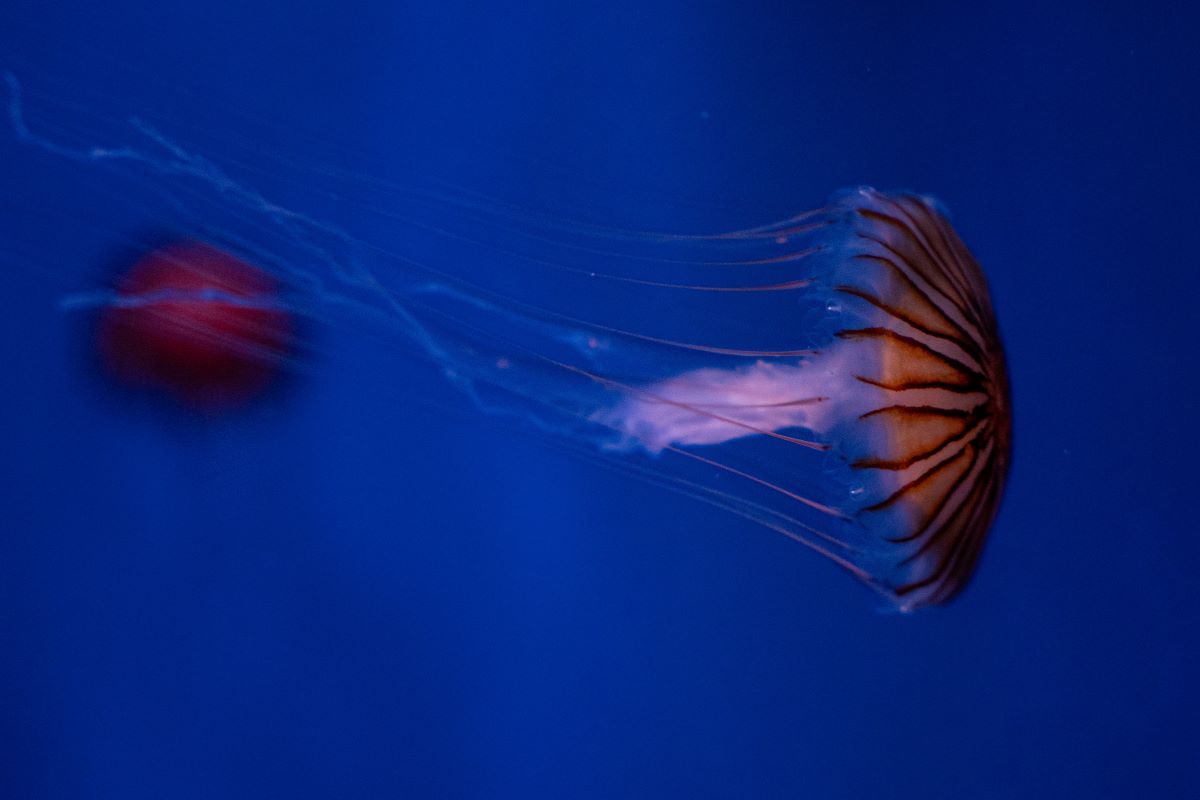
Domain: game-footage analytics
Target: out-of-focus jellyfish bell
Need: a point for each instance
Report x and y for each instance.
(910, 395)
(198, 323)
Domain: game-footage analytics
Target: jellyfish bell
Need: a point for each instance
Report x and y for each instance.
(836, 377)
(939, 433)
(192, 321)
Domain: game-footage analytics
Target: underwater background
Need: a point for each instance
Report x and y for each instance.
(363, 588)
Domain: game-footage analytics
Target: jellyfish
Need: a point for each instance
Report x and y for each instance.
(837, 376)
(910, 393)
(198, 324)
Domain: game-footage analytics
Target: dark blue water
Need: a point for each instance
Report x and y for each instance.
(363, 588)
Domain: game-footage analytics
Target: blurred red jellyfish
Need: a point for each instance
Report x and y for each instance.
(199, 324)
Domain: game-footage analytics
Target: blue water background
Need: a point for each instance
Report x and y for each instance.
(355, 593)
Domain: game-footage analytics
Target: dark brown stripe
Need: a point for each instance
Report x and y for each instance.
(888, 333)
(911, 385)
(933, 411)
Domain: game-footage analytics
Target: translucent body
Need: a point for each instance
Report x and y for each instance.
(836, 376)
